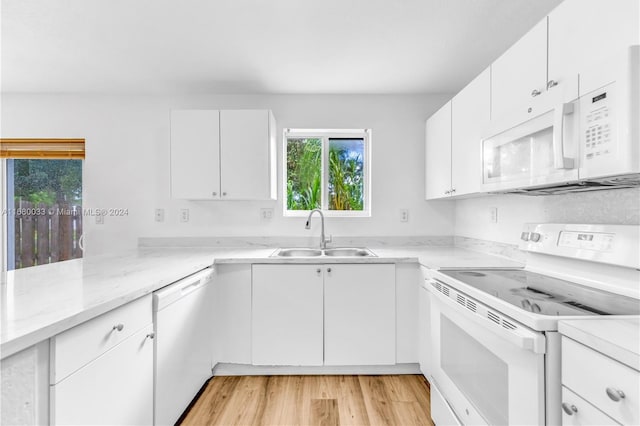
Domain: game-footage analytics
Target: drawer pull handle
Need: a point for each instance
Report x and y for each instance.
(535, 93)
(118, 327)
(615, 394)
(570, 409)
(151, 335)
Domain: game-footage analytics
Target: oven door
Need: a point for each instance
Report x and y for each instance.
(488, 372)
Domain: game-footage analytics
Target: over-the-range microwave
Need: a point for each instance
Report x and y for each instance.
(592, 142)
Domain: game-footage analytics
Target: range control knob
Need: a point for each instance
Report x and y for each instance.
(525, 236)
(535, 237)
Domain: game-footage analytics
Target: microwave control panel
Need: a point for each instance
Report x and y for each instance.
(598, 127)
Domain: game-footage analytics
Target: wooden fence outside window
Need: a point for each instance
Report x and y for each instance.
(46, 234)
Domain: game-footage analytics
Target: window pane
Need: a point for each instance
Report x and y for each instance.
(44, 200)
(346, 174)
(304, 170)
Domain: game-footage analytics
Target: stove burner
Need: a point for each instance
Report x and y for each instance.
(473, 274)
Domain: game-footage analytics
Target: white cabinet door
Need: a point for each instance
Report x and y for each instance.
(470, 117)
(519, 72)
(116, 388)
(246, 152)
(438, 154)
(583, 33)
(359, 315)
(424, 329)
(195, 154)
(232, 314)
(287, 315)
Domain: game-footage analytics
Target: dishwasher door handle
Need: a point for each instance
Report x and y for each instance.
(179, 289)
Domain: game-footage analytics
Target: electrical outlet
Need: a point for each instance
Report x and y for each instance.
(266, 214)
(99, 219)
(159, 215)
(493, 215)
(404, 215)
(184, 215)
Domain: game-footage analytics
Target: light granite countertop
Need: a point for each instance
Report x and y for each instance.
(40, 302)
(618, 338)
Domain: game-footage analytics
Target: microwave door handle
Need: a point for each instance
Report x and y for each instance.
(559, 114)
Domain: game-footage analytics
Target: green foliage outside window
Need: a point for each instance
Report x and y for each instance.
(48, 181)
(345, 183)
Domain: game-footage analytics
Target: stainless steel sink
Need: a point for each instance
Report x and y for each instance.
(333, 252)
(348, 252)
(299, 252)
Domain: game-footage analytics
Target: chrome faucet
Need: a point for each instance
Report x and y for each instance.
(323, 240)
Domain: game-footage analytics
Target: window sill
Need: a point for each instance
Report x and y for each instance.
(328, 213)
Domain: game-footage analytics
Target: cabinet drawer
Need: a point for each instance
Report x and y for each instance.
(114, 389)
(593, 376)
(584, 413)
(76, 347)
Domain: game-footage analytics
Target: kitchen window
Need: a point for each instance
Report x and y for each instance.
(42, 212)
(327, 170)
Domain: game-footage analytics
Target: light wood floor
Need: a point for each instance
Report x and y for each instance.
(313, 400)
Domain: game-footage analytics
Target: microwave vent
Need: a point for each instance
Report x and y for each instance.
(615, 182)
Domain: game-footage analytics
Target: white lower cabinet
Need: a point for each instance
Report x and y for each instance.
(578, 412)
(116, 388)
(102, 370)
(287, 315)
(359, 315)
(335, 314)
(424, 330)
(608, 386)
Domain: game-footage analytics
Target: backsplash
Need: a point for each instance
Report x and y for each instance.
(510, 251)
(473, 216)
(288, 241)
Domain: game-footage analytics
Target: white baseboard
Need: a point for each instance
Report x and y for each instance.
(226, 369)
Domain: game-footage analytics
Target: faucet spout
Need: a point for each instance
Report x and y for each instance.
(323, 240)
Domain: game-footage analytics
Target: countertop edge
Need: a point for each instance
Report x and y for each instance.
(29, 338)
(15, 345)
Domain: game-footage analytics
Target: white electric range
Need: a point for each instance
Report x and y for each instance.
(496, 349)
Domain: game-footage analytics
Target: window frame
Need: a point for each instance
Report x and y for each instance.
(324, 135)
(4, 244)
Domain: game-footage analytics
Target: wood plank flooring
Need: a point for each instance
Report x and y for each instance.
(313, 400)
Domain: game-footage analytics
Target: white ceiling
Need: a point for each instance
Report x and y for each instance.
(256, 46)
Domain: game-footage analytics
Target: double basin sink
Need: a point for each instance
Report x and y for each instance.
(332, 252)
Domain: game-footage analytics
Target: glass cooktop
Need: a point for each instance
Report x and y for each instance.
(545, 295)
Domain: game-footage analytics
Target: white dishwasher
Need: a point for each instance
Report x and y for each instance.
(182, 314)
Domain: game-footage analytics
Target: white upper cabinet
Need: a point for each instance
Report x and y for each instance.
(471, 114)
(453, 141)
(195, 154)
(247, 151)
(223, 155)
(520, 74)
(583, 33)
(438, 154)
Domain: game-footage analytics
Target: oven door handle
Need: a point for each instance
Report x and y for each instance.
(519, 336)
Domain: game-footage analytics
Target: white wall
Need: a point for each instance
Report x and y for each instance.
(127, 164)
(472, 216)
